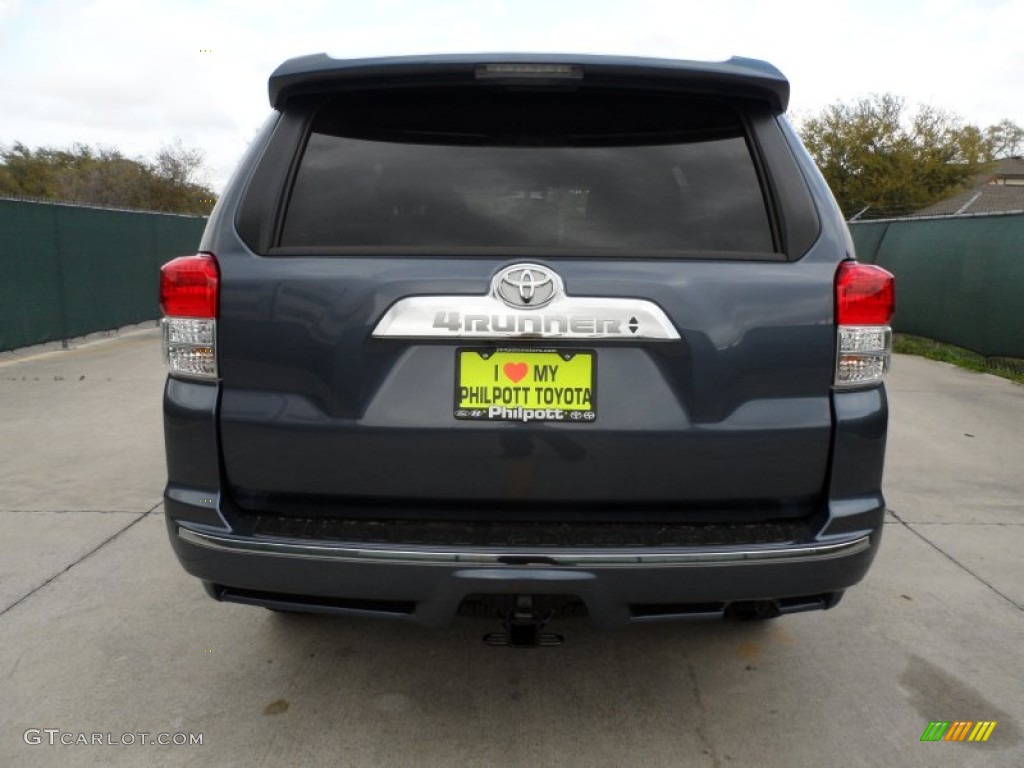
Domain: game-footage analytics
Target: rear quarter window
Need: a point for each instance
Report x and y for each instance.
(562, 172)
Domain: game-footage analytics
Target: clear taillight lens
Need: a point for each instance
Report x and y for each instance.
(189, 296)
(865, 302)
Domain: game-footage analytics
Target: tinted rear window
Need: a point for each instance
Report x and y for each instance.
(527, 170)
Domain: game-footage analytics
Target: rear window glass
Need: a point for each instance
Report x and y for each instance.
(564, 171)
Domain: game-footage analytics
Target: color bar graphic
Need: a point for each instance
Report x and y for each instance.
(958, 730)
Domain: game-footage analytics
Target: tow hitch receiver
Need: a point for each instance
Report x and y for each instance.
(522, 627)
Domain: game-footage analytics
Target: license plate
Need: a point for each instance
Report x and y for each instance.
(525, 385)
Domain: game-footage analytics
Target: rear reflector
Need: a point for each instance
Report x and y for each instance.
(189, 299)
(865, 302)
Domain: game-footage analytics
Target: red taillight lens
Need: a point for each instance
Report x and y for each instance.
(188, 286)
(865, 294)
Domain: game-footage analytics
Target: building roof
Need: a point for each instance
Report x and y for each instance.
(1007, 166)
(1000, 189)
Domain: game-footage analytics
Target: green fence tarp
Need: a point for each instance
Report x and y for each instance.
(867, 238)
(66, 271)
(958, 280)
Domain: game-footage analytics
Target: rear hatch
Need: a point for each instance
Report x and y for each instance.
(574, 293)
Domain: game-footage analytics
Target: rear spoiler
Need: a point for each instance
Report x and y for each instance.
(737, 77)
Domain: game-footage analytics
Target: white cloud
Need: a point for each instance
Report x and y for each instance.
(130, 74)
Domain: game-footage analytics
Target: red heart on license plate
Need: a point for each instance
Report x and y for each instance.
(516, 371)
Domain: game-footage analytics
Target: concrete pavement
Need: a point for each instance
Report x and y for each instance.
(102, 632)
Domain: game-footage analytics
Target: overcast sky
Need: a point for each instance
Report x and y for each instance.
(133, 74)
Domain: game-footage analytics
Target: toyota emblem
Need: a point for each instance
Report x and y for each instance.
(527, 286)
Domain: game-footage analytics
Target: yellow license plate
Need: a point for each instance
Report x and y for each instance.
(525, 385)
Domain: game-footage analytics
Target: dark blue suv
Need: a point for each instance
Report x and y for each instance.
(526, 335)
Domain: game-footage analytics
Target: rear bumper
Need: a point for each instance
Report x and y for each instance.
(427, 585)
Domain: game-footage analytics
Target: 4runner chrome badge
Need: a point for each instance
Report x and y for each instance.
(525, 301)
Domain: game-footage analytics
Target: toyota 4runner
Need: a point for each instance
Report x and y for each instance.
(526, 335)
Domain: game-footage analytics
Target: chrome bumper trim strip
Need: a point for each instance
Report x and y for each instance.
(522, 558)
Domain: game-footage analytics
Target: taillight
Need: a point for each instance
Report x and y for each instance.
(189, 300)
(188, 286)
(865, 302)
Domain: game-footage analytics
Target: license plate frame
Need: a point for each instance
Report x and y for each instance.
(522, 385)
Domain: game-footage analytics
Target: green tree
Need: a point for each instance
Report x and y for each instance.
(878, 155)
(173, 182)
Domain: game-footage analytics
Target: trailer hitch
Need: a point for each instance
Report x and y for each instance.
(522, 627)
